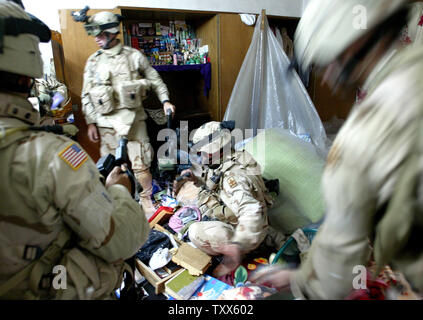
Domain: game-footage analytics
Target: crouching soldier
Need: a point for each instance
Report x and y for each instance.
(233, 196)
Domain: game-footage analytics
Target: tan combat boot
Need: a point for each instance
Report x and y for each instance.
(145, 179)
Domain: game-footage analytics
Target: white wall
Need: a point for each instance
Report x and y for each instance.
(305, 3)
(47, 10)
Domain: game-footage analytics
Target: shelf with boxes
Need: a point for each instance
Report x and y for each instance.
(171, 42)
(181, 46)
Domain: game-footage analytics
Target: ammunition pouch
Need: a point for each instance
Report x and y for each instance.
(224, 214)
(214, 181)
(90, 277)
(131, 93)
(102, 99)
(211, 206)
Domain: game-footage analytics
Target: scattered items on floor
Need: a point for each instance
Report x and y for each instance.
(211, 289)
(295, 249)
(193, 259)
(241, 276)
(183, 216)
(387, 285)
(161, 216)
(158, 196)
(183, 285)
(163, 259)
(160, 258)
(155, 241)
(157, 280)
(247, 292)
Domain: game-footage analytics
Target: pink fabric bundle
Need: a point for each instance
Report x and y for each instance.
(183, 216)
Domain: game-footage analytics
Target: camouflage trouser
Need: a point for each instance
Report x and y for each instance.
(210, 235)
(140, 152)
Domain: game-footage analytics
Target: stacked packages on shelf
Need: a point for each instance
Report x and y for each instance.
(172, 44)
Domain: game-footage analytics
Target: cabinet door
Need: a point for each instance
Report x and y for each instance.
(235, 39)
(77, 47)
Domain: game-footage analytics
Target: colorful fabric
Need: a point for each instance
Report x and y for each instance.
(184, 216)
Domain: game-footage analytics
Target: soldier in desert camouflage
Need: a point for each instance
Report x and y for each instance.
(116, 80)
(372, 180)
(53, 209)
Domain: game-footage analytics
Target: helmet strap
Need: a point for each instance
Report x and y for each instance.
(15, 82)
(109, 40)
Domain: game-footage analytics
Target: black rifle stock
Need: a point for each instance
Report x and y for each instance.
(106, 164)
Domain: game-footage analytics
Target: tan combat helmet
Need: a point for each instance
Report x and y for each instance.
(103, 21)
(328, 27)
(211, 137)
(19, 39)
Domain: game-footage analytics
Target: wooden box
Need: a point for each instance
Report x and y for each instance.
(157, 282)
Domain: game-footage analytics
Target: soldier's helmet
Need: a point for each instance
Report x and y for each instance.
(212, 137)
(103, 21)
(19, 40)
(328, 27)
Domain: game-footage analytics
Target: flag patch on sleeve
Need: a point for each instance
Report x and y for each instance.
(73, 156)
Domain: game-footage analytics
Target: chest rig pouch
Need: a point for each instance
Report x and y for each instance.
(213, 181)
(211, 204)
(102, 99)
(102, 93)
(133, 90)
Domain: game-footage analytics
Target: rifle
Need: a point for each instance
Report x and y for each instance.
(167, 167)
(106, 164)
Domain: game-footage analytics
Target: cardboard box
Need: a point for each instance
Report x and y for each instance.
(196, 261)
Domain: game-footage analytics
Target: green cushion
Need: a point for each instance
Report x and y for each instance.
(299, 169)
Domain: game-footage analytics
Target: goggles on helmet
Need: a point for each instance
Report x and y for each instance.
(94, 29)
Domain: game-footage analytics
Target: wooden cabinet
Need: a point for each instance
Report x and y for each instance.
(327, 103)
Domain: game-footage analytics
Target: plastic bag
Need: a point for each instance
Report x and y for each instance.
(269, 94)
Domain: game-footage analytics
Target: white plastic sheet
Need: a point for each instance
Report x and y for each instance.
(269, 94)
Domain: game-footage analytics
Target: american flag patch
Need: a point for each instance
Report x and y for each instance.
(73, 156)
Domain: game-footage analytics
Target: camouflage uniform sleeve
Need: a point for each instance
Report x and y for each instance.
(153, 76)
(40, 86)
(341, 244)
(88, 109)
(62, 89)
(109, 223)
(342, 240)
(251, 213)
(362, 169)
